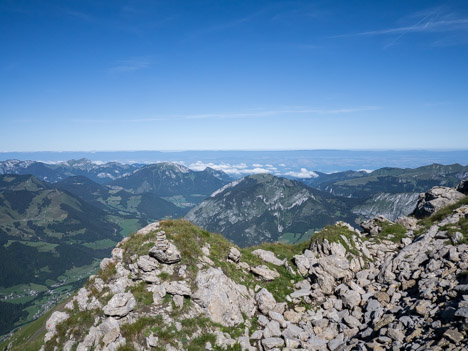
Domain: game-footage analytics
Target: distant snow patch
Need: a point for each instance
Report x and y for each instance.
(227, 186)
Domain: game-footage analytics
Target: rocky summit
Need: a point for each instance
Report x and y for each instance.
(172, 286)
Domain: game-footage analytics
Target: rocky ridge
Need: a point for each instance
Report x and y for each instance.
(173, 286)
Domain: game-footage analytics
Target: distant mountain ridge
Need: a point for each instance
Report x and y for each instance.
(100, 173)
(170, 180)
(120, 202)
(390, 180)
(263, 207)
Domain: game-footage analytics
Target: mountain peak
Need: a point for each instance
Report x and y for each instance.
(80, 162)
(17, 182)
(263, 208)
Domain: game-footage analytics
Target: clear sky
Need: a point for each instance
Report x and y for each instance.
(192, 75)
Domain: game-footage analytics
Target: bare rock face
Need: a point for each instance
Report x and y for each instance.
(268, 256)
(265, 273)
(435, 199)
(120, 305)
(266, 301)
(110, 330)
(222, 299)
(374, 226)
(147, 263)
(409, 223)
(55, 318)
(178, 288)
(164, 251)
(234, 255)
(149, 228)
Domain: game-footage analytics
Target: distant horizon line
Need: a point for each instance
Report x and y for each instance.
(242, 150)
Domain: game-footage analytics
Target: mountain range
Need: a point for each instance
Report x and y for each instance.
(389, 180)
(53, 234)
(174, 286)
(100, 173)
(174, 182)
(264, 208)
(83, 211)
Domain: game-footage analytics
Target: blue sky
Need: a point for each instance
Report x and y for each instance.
(204, 75)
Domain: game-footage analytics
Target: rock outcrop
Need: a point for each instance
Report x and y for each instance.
(349, 290)
(223, 300)
(435, 199)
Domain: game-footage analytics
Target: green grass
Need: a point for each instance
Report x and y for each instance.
(335, 234)
(108, 272)
(142, 295)
(101, 244)
(138, 245)
(164, 276)
(78, 324)
(41, 246)
(393, 232)
(427, 222)
(23, 287)
(189, 239)
(77, 273)
(168, 333)
(461, 227)
(136, 331)
(294, 238)
(127, 225)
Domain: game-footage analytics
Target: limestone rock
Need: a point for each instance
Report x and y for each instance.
(178, 288)
(147, 263)
(51, 325)
(234, 254)
(221, 298)
(409, 223)
(265, 273)
(266, 301)
(272, 343)
(374, 226)
(268, 256)
(110, 330)
(435, 199)
(120, 305)
(149, 228)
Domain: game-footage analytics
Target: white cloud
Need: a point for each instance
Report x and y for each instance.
(237, 170)
(304, 173)
(257, 170)
(426, 26)
(131, 65)
(256, 113)
(365, 170)
(241, 169)
(231, 169)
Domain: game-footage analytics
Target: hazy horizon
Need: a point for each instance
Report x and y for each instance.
(295, 163)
